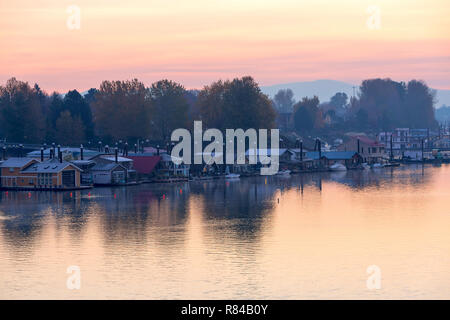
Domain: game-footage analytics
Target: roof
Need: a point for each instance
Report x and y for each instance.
(108, 166)
(153, 150)
(368, 141)
(145, 164)
(113, 158)
(50, 166)
(267, 152)
(169, 158)
(16, 162)
(82, 162)
(332, 155)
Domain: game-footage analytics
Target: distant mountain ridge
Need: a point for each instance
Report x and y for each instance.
(325, 89)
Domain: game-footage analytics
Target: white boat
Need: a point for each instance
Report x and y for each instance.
(377, 166)
(365, 166)
(338, 167)
(232, 176)
(284, 172)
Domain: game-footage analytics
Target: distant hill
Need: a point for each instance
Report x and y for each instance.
(325, 89)
(443, 114)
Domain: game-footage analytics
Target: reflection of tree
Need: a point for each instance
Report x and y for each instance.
(227, 212)
(26, 213)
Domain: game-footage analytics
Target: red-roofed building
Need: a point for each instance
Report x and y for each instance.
(144, 164)
(370, 150)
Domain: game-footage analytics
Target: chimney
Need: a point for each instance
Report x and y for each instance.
(4, 153)
(20, 150)
(320, 148)
(59, 149)
(116, 152)
(60, 156)
(301, 150)
(106, 149)
(135, 148)
(42, 154)
(358, 145)
(81, 153)
(157, 150)
(125, 150)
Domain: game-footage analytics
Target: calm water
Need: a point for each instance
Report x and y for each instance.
(304, 236)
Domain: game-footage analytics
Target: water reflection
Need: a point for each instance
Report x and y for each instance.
(214, 235)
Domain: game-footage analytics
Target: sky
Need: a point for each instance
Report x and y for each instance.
(196, 42)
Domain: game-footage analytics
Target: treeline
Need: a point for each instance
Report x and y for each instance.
(128, 111)
(381, 104)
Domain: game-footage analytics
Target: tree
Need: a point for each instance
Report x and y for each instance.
(284, 100)
(383, 100)
(56, 106)
(21, 116)
(419, 101)
(170, 108)
(307, 115)
(236, 104)
(79, 108)
(339, 100)
(69, 130)
(121, 110)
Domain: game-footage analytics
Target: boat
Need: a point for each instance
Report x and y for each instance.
(284, 172)
(338, 167)
(232, 176)
(377, 166)
(365, 166)
(392, 164)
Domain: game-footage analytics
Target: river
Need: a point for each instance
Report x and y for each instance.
(307, 236)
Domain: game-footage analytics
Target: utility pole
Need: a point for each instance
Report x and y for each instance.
(392, 154)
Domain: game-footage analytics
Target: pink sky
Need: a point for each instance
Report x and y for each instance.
(199, 41)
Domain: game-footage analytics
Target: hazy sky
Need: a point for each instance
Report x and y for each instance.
(198, 41)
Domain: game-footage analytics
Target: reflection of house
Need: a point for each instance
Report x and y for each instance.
(28, 173)
(370, 150)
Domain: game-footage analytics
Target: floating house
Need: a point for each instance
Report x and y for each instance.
(370, 150)
(327, 158)
(109, 173)
(168, 170)
(86, 174)
(27, 173)
(113, 170)
(145, 163)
